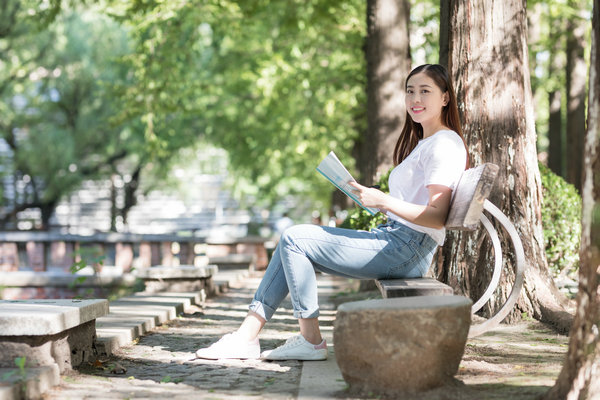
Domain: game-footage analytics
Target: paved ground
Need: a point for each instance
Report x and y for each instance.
(512, 362)
(160, 365)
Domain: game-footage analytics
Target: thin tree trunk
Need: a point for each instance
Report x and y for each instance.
(113, 203)
(555, 120)
(555, 147)
(488, 60)
(130, 194)
(388, 64)
(576, 81)
(580, 375)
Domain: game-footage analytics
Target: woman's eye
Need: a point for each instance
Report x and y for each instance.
(424, 91)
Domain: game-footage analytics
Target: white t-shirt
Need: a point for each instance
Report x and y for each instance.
(436, 160)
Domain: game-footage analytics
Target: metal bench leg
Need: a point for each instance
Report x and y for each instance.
(497, 264)
(519, 272)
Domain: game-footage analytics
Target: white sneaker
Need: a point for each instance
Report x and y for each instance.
(297, 348)
(230, 346)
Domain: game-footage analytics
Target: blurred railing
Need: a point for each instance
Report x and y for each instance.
(43, 251)
(40, 264)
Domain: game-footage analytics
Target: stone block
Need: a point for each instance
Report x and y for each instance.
(9, 257)
(400, 346)
(36, 257)
(234, 261)
(61, 254)
(49, 332)
(179, 272)
(47, 317)
(183, 278)
(32, 386)
(124, 255)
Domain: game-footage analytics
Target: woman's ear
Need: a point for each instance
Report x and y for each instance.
(446, 98)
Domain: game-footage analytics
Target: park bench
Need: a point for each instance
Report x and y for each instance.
(413, 339)
(466, 213)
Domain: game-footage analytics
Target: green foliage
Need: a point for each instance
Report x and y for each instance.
(561, 221)
(21, 372)
(547, 43)
(87, 256)
(424, 31)
(360, 219)
(56, 103)
(276, 84)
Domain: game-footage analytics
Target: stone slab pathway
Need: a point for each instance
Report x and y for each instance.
(160, 365)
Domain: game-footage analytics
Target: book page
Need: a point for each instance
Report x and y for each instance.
(332, 169)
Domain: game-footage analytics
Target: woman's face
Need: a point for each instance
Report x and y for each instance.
(424, 99)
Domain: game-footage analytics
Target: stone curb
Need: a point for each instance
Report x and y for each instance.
(133, 316)
(37, 381)
(321, 379)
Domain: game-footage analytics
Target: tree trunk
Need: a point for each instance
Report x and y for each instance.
(555, 119)
(488, 61)
(580, 375)
(576, 82)
(47, 209)
(555, 147)
(130, 189)
(388, 64)
(113, 203)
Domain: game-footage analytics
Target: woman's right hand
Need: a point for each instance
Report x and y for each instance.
(370, 197)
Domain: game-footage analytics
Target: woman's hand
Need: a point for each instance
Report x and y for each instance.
(432, 215)
(369, 197)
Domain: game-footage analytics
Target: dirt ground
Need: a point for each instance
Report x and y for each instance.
(514, 362)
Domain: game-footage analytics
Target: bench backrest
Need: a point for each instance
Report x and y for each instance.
(472, 190)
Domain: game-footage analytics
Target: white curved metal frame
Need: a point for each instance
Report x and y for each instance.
(493, 321)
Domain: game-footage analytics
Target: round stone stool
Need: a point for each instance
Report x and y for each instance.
(401, 345)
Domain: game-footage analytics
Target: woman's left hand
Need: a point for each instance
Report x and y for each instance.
(369, 197)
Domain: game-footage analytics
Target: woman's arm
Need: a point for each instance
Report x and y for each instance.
(433, 215)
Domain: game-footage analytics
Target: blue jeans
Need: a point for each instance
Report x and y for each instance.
(389, 251)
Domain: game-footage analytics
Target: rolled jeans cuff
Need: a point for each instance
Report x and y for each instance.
(306, 314)
(263, 310)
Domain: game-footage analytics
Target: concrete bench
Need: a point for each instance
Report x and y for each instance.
(234, 261)
(49, 332)
(183, 278)
(414, 338)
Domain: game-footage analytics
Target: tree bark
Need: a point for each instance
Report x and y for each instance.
(555, 112)
(488, 61)
(131, 189)
(555, 147)
(388, 64)
(576, 81)
(580, 375)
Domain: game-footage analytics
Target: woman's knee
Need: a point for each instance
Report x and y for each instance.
(291, 234)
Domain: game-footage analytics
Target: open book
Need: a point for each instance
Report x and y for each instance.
(332, 169)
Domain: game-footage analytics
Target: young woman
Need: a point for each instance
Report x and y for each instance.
(430, 156)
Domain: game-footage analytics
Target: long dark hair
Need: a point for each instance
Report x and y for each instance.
(412, 131)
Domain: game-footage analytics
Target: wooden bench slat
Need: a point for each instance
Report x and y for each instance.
(413, 287)
(472, 190)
